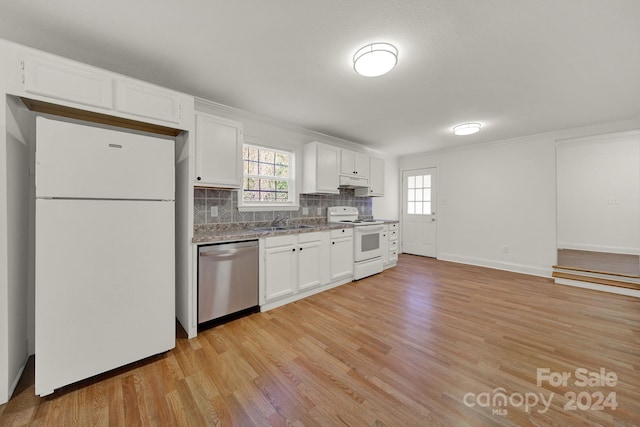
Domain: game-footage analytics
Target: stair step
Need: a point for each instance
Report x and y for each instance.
(629, 284)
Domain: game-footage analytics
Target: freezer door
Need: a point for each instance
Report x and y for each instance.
(105, 286)
(82, 161)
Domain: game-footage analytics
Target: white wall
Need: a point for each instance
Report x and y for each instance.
(501, 194)
(599, 193)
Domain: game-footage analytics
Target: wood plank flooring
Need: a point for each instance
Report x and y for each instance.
(402, 348)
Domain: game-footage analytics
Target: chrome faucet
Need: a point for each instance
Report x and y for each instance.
(278, 220)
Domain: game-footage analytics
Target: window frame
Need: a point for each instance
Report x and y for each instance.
(291, 205)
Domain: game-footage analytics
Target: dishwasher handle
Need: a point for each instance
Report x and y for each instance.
(223, 253)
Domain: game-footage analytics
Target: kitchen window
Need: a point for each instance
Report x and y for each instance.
(268, 179)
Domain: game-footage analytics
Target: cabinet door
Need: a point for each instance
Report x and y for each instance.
(384, 246)
(361, 165)
(280, 271)
(149, 101)
(347, 162)
(218, 152)
(327, 159)
(309, 265)
(68, 81)
(341, 257)
(376, 177)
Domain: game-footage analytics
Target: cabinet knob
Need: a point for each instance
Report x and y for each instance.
(300, 249)
(384, 235)
(293, 250)
(333, 243)
(343, 230)
(199, 178)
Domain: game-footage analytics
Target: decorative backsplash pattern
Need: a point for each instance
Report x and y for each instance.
(227, 203)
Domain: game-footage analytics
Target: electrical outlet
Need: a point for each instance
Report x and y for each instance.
(214, 211)
(505, 249)
(614, 201)
(305, 211)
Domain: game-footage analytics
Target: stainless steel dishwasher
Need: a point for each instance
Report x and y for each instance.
(227, 280)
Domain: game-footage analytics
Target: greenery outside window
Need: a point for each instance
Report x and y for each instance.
(268, 179)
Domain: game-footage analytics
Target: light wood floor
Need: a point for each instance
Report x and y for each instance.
(401, 348)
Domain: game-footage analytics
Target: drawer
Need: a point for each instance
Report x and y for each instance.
(273, 242)
(393, 234)
(345, 232)
(393, 245)
(393, 226)
(315, 236)
(393, 255)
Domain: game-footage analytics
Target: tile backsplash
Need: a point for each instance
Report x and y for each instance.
(227, 203)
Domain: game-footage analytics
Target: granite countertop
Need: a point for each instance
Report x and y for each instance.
(390, 221)
(212, 234)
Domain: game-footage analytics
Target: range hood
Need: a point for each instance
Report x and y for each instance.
(353, 182)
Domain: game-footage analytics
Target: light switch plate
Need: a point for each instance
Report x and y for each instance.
(305, 211)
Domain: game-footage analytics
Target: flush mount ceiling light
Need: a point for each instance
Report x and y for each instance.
(467, 128)
(375, 59)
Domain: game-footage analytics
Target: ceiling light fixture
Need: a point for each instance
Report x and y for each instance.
(467, 128)
(375, 59)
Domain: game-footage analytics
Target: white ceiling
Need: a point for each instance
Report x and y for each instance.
(520, 67)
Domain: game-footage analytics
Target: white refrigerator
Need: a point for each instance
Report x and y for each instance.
(105, 242)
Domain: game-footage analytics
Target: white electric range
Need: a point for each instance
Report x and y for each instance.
(367, 253)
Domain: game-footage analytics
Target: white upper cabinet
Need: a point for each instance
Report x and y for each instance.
(70, 84)
(68, 81)
(320, 168)
(376, 179)
(148, 101)
(354, 164)
(218, 151)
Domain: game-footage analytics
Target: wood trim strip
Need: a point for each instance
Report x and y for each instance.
(90, 116)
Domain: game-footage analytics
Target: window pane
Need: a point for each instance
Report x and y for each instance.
(282, 159)
(250, 196)
(252, 168)
(267, 184)
(418, 208)
(427, 208)
(411, 195)
(282, 196)
(411, 208)
(266, 169)
(282, 171)
(267, 156)
(267, 196)
(282, 186)
(418, 181)
(427, 195)
(412, 182)
(427, 181)
(419, 195)
(252, 154)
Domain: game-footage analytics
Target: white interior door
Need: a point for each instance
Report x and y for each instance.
(419, 212)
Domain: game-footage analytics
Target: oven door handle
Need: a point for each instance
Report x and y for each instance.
(369, 228)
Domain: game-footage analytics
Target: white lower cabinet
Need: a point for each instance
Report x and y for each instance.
(294, 263)
(341, 253)
(295, 266)
(390, 255)
(281, 266)
(311, 253)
